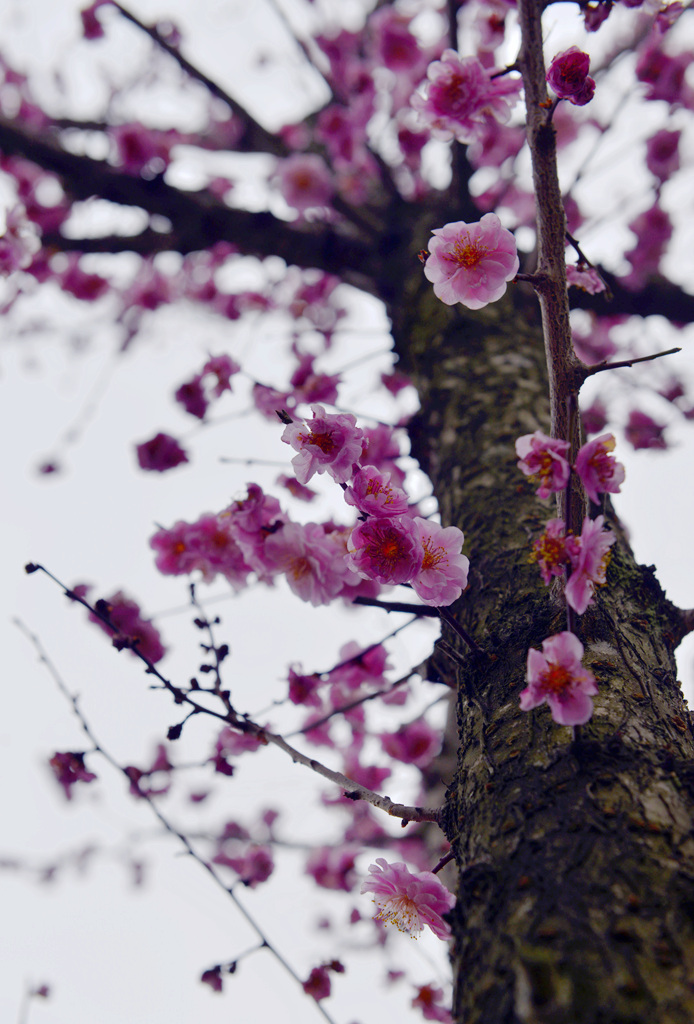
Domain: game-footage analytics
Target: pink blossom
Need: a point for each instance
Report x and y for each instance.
(296, 489)
(91, 26)
(586, 278)
(568, 76)
(130, 629)
(589, 556)
(69, 769)
(642, 431)
(416, 743)
(230, 743)
(161, 453)
(594, 344)
(359, 666)
(331, 443)
(461, 96)
(86, 287)
(557, 676)
(597, 467)
(394, 45)
(332, 867)
(543, 459)
(594, 418)
(317, 984)
(315, 570)
(386, 550)
(409, 901)
(471, 263)
(550, 550)
(253, 866)
(371, 492)
(429, 999)
(302, 689)
(209, 544)
(662, 155)
(653, 230)
(442, 576)
(664, 75)
(213, 978)
(305, 181)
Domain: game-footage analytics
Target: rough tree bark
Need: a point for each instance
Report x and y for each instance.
(575, 851)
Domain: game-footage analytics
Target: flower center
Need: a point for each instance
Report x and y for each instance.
(466, 253)
(432, 556)
(402, 912)
(323, 441)
(556, 679)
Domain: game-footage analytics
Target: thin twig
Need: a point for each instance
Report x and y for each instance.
(588, 371)
(98, 748)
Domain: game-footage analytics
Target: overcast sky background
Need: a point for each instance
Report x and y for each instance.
(115, 953)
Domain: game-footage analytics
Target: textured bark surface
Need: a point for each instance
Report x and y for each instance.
(575, 852)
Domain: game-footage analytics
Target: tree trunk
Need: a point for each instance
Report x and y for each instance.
(574, 848)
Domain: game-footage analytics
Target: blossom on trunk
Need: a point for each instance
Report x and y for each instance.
(568, 76)
(461, 96)
(590, 554)
(442, 576)
(386, 550)
(597, 467)
(471, 263)
(543, 459)
(558, 677)
(550, 550)
(332, 443)
(409, 901)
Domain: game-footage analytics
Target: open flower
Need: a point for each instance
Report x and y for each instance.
(409, 901)
(331, 443)
(589, 556)
(557, 676)
(597, 467)
(471, 263)
(442, 576)
(543, 459)
(386, 550)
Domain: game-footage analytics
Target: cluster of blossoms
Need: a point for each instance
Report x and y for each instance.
(556, 675)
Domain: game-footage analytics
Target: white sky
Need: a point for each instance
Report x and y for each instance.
(114, 953)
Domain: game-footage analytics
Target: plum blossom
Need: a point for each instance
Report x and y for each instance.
(314, 569)
(386, 550)
(372, 493)
(332, 867)
(461, 96)
(332, 443)
(416, 743)
(129, 629)
(160, 453)
(543, 459)
(586, 278)
(429, 1000)
(318, 984)
(442, 576)
(589, 554)
(409, 901)
(557, 676)
(662, 154)
(641, 431)
(471, 263)
(550, 550)
(68, 769)
(568, 76)
(597, 467)
(305, 181)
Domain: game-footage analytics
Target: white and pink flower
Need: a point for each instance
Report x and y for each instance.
(597, 467)
(543, 459)
(305, 181)
(409, 901)
(589, 554)
(326, 443)
(471, 263)
(442, 576)
(556, 675)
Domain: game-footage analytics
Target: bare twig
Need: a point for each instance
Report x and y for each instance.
(588, 371)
